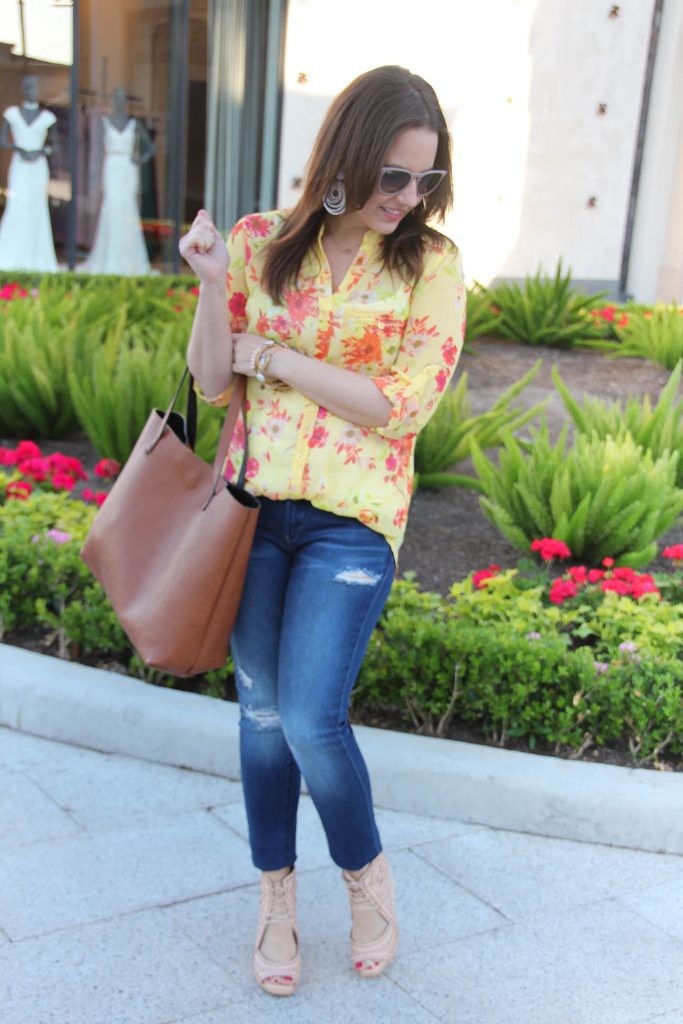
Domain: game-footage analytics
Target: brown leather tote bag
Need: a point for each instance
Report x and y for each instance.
(171, 543)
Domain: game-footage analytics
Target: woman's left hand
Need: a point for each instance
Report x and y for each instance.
(243, 348)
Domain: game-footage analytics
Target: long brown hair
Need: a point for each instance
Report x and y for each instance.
(356, 133)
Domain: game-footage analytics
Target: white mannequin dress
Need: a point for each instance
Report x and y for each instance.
(26, 241)
(119, 246)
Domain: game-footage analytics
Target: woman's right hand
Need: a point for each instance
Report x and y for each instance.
(204, 249)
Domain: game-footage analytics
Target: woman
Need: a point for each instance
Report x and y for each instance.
(346, 314)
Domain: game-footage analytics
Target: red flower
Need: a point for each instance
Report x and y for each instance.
(480, 578)
(12, 291)
(622, 321)
(37, 469)
(194, 290)
(27, 450)
(550, 548)
(88, 494)
(608, 562)
(578, 574)
(107, 468)
(237, 304)
(59, 463)
(675, 551)
(63, 481)
(8, 456)
(595, 575)
(618, 586)
(18, 489)
(100, 498)
(561, 589)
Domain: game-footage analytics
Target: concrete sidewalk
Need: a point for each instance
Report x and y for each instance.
(127, 896)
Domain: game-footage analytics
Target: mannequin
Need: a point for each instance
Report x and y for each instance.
(119, 245)
(26, 241)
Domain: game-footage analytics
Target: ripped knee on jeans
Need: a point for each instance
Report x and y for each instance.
(358, 578)
(262, 718)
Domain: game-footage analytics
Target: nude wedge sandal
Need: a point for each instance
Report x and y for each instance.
(374, 890)
(278, 904)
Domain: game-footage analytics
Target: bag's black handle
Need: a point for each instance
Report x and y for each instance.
(236, 405)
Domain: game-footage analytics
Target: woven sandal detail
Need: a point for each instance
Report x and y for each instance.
(278, 905)
(374, 890)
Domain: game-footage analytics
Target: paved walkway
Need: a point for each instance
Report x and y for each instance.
(127, 896)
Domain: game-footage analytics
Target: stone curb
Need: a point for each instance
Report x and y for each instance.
(597, 803)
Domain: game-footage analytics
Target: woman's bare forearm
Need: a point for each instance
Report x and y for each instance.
(345, 393)
(209, 353)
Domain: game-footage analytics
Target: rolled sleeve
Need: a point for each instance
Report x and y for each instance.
(431, 345)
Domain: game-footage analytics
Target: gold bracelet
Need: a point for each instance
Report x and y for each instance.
(262, 362)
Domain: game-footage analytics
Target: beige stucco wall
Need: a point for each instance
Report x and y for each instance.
(520, 82)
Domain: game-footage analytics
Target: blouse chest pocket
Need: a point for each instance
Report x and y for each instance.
(371, 334)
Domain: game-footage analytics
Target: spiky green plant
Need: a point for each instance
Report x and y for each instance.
(546, 310)
(604, 496)
(655, 334)
(447, 438)
(482, 320)
(34, 345)
(658, 429)
(115, 384)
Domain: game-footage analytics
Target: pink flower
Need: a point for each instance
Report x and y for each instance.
(595, 575)
(578, 574)
(608, 562)
(88, 494)
(674, 551)
(107, 468)
(600, 667)
(18, 489)
(550, 548)
(58, 536)
(100, 498)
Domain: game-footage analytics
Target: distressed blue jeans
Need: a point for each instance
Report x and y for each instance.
(315, 588)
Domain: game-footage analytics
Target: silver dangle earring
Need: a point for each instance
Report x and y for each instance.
(334, 200)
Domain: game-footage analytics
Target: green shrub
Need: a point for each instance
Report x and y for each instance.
(546, 311)
(658, 430)
(603, 497)
(447, 438)
(35, 566)
(500, 658)
(482, 319)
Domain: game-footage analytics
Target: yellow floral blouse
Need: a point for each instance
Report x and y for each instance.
(408, 340)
